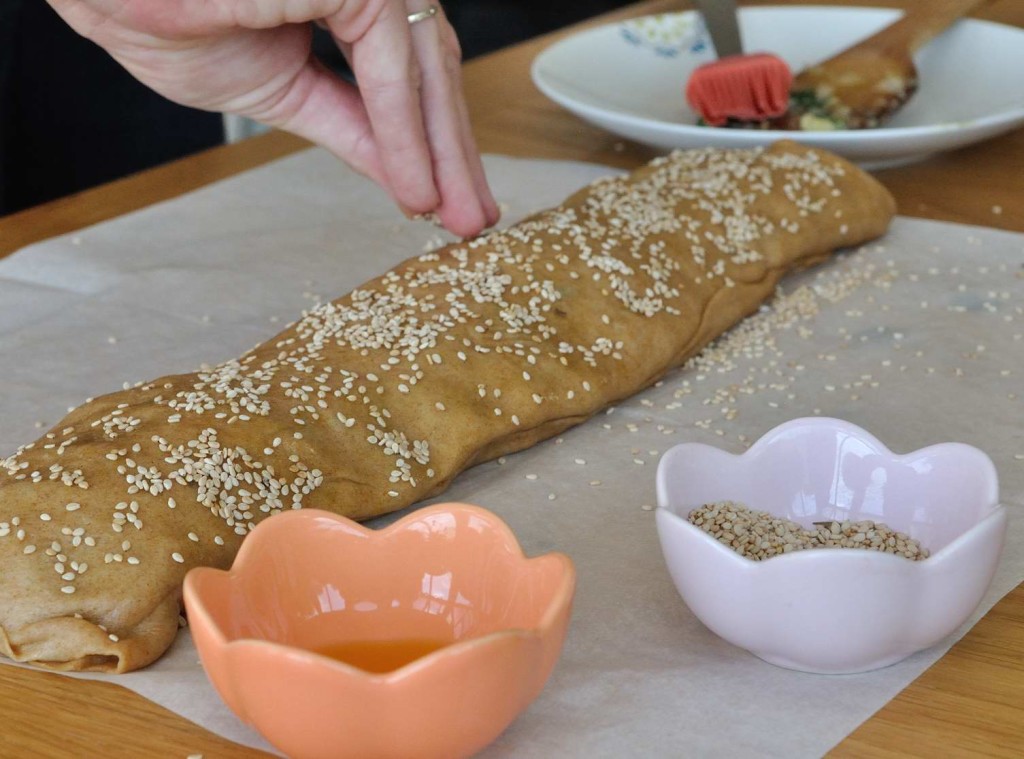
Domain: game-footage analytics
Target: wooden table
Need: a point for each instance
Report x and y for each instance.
(969, 703)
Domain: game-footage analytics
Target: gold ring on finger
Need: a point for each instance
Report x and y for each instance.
(429, 12)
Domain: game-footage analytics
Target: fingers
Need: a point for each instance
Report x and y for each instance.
(389, 80)
(409, 77)
(472, 153)
(466, 204)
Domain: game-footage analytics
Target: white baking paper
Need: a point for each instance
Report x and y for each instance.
(916, 338)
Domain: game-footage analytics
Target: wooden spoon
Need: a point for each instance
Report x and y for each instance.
(865, 84)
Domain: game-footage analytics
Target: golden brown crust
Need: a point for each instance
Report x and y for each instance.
(379, 399)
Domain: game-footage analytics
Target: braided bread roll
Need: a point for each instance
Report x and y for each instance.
(377, 400)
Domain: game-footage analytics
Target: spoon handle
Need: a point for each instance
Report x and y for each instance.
(918, 25)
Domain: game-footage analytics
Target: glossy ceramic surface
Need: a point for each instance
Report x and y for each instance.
(834, 610)
(629, 78)
(448, 583)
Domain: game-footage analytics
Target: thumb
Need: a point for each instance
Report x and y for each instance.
(323, 108)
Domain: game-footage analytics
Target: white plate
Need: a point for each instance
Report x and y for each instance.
(629, 77)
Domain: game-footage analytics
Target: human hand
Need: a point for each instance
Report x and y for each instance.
(406, 126)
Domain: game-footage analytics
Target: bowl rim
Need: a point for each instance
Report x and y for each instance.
(996, 510)
(559, 604)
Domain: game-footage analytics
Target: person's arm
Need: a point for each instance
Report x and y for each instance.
(406, 126)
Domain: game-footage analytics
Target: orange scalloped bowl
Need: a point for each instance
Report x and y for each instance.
(423, 639)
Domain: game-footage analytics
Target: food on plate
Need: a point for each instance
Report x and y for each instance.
(377, 400)
(864, 85)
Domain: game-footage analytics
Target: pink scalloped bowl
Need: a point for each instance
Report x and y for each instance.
(834, 610)
(447, 631)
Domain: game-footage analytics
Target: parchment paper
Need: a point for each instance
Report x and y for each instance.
(917, 338)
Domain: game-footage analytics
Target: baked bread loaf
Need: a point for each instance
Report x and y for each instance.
(377, 400)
